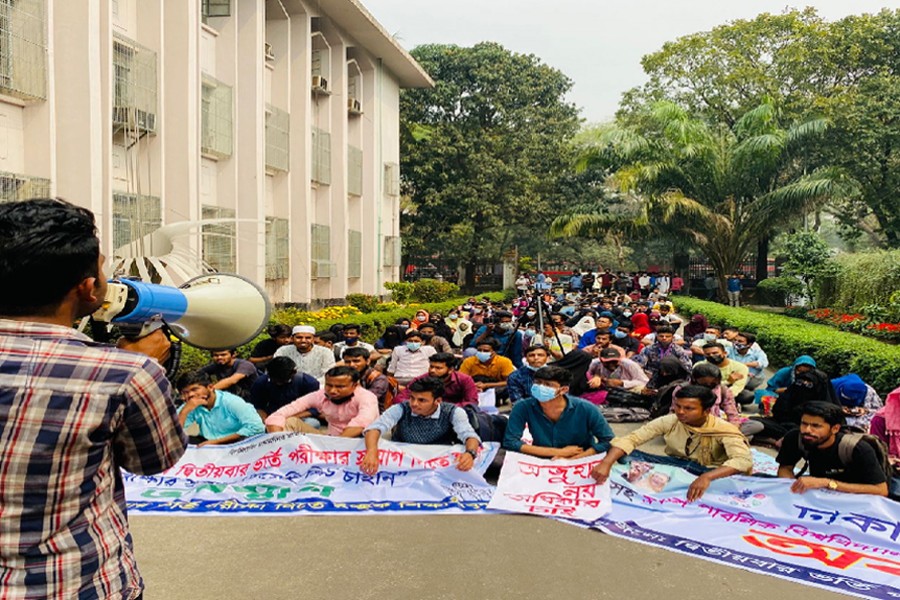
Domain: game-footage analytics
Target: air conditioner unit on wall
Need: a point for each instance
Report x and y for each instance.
(354, 105)
(270, 54)
(319, 83)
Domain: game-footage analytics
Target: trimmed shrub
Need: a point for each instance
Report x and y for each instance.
(785, 338)
(777, 291)
(401, 291)
(365, 302)
(432, 290)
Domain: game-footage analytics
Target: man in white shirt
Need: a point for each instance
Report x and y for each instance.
(310, 359)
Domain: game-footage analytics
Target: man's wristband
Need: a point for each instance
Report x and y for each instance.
(472, 453)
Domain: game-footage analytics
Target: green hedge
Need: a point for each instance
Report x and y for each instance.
(373, 325)
(785, 338)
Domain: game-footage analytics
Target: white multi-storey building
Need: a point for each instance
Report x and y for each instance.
(278, 117)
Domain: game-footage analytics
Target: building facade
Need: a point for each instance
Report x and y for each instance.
(275, 121)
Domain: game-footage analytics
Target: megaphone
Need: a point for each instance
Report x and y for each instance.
(213, 312)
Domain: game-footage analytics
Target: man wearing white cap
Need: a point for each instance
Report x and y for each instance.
(309, 358)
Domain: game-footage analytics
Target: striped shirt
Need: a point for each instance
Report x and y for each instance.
(72, 413)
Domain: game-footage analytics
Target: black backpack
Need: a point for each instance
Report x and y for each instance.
(490, 428)
(847, 445)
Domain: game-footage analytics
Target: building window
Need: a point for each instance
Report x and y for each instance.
(214, 8)
(321, 266)
(354, 253)
(392, 248)
(216, 125)
(354, 171)
(134, 216)
(321, 156)
(391, 179)
(23, 49)
(277, 138)
(354, 88)
(15, 187)
(134, 92)
(219, 239)
(278, 249)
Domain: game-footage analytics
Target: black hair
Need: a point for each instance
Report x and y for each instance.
(281, 367)
(428, 384)
(49, 247)
(343, 372)
(446, 358)
(533, 347)
(412, 333)
(714, 345)
(352, 326)
(356, 352)
(489, 341)
(705, 369)
(502, 314)
(665, 329)
(750, 337)
(186, 380)
(278, 329)
(551, 373)
(428, 324)
(830, 413)
(232, 351)
(731, 328)
(337, 329)
(326, 336)
(704, 395)
(603, 331)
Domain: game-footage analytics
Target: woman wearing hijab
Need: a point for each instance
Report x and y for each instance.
(859, 400)
(584, 325)
(809, 385)
(459, 325)
(696, 327)
(641, 323)
(886, 426)
(422, 316)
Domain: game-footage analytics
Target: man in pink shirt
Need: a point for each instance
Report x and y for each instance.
(347, 406)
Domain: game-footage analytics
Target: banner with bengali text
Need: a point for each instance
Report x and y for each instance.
(289, 473)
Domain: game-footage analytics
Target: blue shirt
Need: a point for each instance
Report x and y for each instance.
(575, 282)
(519, 382)
(229, 415)
(755, 354)
(580, 424)
(734, 284)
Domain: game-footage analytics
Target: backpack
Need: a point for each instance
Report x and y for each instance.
(392, 391)
(490, 428)
(847, 445)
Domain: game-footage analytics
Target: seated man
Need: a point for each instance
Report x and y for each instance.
(326, 339)
(604, 323)
(502, 329)
(232, 374)
(347, 406)
(487, 368)
(459, 388)
(279, 386)
(557, 343)
(704, 445)
(424, 419)
(623, 338)
(561, 426)
(410, 359)
(745, 350)
(430, 338)
(223, 418)
(713, 333)
(310, 358)
(612, 370)
(263, 352)
(663, 345)
(371, 379)
(854, 469)
(351, 339)
(734, 374)
(519, 382)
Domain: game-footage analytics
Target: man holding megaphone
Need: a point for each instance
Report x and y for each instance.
(72, 413)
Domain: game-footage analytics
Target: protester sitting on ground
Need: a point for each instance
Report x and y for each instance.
(710, 377)
(421, 316)
(745, 350)
(504, 331)
(345, 405)
(369, 377)
(584, 324)
(818, 441)
(423, 419)
(859, 400)
(430, 338)
(460, 327)
(663, 346)
(640, 322)
(612, 370)
(734, 374)
(603, 322)
(885, 426)
(459, 388)
(230, 373)
(310, 359)
(559, 321)
(487, 368)
(622, 337)
(557, 343)
(440, 327)
(264, 351)
(223, 418)
(410, 360)
(519, 382)
(390, 339)
(561, 425)
(697, 441)
(279, 386)
(712, 333)
(809, 385)
(326, 339)
(784, 376)
(351, 333)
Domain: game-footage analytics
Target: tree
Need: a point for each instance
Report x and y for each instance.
(724, 187)
(481, 151)
(808, 258)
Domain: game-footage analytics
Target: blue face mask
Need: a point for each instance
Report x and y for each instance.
(620, 334)
(543, 393)
(413, 346)
(483, 356)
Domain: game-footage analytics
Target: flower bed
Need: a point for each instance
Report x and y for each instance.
(852, 322)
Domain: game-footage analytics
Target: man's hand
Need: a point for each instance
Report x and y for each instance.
(568, 451)
(601, 472)
(804, 484)
(735, 376)
(369, 464)
(464, 461)
(480, 386)
(648, 392)
(156, 345)
(614, 382)
(595, 382)
(274, 428)
(697, 488)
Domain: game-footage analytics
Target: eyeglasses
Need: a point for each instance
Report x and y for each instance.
(687, 445)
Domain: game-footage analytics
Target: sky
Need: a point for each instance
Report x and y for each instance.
(597, 43)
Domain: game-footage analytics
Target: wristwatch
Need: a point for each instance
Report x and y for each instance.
(832, 484)
(472, 453)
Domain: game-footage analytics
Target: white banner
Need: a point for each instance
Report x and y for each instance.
(562, 488)
(288, 473)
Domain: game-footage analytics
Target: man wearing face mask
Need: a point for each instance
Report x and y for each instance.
(487, 368)
(459, 388)
(504, 331)
(561, 426)
(409, 360)
(430, 338)
(351, 340)
(622, 338)
(520, 381)
(745, 350)
(734, 374)
(347, 406)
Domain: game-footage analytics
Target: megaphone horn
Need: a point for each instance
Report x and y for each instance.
(212, 312)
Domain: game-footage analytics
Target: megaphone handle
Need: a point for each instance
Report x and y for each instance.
(171, 366)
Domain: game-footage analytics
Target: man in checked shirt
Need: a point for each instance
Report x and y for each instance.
(72, 413)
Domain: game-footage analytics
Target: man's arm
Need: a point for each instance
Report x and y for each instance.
(803, 484)
(227, 382)
(234, 437)
(701, 483)
(470, 390)
(244, 412)
(351, 432)
(367, 414)
(276, 420)
(370, 460)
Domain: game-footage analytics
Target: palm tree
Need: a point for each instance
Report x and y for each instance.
(724, 188)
